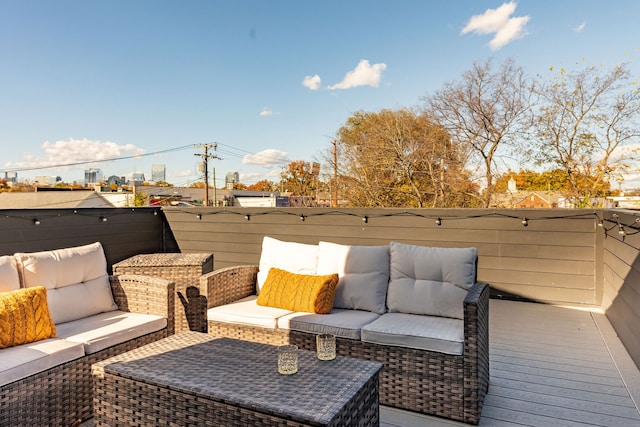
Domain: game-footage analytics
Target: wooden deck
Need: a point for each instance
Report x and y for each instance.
(550, 366)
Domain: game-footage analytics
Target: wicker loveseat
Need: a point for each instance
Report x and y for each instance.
(434, 364)
(48, 381)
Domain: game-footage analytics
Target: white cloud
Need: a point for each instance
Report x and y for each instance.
(73, 151)
(266, 112)
(363, 75)
(312, 82)
(184, 173)
(580, 27)
(266, 158)
(512, 30)
(499, 22)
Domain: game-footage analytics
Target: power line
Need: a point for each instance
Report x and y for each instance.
(24, 169)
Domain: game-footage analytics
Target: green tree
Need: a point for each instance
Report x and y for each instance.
(400, 158)
(140, 199)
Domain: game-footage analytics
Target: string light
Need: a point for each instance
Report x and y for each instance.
(247, 217)
(438, 221)
(36, 221)
(302, 217)
(103, 218)
(199, 216)
(365, 219)
(525, 221)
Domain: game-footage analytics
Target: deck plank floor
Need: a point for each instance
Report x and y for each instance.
(550, 366)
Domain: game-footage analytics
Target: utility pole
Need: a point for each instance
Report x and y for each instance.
(205, 161)
(334, 202)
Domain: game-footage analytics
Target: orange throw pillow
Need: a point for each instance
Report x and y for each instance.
(298, 292)
(24, 317)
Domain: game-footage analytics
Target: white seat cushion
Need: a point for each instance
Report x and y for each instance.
(104, 330)
(9, 279)
(247, 312)
(298, 258)
(433, 333)
(340, 322)
(363, 273)
(76, 280)
(28, 359)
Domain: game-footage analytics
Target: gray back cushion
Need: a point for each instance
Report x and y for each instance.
(430, 281)
(363, 273)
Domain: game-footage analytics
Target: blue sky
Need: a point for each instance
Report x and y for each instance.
(269, 81)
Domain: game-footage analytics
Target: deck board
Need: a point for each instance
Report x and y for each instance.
(550, 366)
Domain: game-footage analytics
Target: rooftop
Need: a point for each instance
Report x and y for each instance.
(569, 358)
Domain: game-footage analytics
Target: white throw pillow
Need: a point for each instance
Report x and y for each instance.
(76, 280)
(298, 258)
(9, 279)
(363, 272)
(430, 281)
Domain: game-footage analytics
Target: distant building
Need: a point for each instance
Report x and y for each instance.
(11, 176)
(118, 181)
(47, 180)
(92, 176)
(158, 173)
(231, 179)
(535, 200)
(137, 178)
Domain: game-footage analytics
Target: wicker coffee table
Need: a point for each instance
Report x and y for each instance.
(197, 379)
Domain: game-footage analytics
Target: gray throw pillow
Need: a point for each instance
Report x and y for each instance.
(430, 281)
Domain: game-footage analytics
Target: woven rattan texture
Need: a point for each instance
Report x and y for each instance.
(63, 395)
(432, 383)
(185, 270)
(195, 379)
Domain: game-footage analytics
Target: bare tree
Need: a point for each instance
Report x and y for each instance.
(485, 112)
(586, 124)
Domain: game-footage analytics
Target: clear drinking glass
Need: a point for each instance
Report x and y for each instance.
(326, 346)
(287, 359)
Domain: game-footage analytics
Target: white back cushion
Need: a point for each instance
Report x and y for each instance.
(76, 280)
(431, 281)
(9, 279)
(299, 258)
(363, 272)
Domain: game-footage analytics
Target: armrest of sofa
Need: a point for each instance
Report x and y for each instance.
(144, 294)
(229, 284)
(476, 349)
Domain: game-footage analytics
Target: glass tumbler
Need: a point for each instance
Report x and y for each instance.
(287, 359)
(326, 346)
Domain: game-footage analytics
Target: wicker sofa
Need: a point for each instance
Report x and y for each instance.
(434, 364)
(96, 316)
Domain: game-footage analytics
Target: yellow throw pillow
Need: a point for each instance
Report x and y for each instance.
(298, 292)
(24, 317)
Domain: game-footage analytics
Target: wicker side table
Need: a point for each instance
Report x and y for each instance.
(185, 270)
